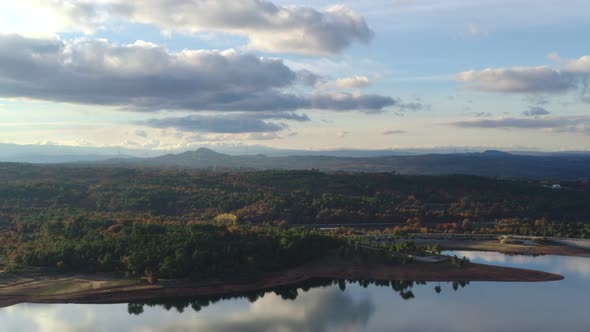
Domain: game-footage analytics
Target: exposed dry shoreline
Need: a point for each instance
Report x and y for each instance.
(108, 288)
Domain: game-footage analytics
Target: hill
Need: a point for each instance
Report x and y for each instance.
(488, 163)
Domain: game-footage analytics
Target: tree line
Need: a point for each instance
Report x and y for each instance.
(162, 250)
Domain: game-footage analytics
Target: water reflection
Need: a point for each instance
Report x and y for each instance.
(567, 266)
(326, 309)
(287, 293)
(341, 305)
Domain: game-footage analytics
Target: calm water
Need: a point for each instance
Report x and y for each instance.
(478, 306)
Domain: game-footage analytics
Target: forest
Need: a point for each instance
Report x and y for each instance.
(211, 225)
(454, 203)
(199, 251)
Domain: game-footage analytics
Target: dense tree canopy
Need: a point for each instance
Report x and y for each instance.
(200, 251)
(44, 193)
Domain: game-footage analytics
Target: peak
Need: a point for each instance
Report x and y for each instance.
(204, 150)
(201, 151)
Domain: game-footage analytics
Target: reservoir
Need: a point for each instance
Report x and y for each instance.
(348, 306)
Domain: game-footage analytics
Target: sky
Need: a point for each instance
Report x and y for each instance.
(173, 75)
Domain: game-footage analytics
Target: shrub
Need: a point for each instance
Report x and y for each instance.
(226, 219)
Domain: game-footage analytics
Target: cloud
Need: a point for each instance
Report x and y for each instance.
(580, 65)
(308, 78)
(354, 82)
(344, 101)
(341, 133)
(571, 76)
(536, 111)
(262, 136)
(475, 31)
(268, 27)
(567, 266)
(411, 106)
(481, 114)
(227, 123)
(537, 100)
(146, 77)
(394, 132)
(562, 124)
(317, 310)
(140, 74)
(314, 310)
(214, 124)
(141, 133)
(46, 18)
(518, 80)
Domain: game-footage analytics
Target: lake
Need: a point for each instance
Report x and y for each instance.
(324, 306)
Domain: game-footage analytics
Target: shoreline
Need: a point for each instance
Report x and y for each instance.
(108, 288)
(509, 249)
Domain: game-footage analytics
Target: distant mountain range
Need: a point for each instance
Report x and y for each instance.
(488, 163)
(571, 165)
(48, 153)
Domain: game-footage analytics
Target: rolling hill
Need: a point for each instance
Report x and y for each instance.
(489, 163)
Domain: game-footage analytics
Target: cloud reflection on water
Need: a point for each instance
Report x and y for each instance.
(483, 306)
(317, 310)
(320, 310)
(578, 266)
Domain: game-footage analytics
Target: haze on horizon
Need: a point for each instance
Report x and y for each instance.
(180, 74)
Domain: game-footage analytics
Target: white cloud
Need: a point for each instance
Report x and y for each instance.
(581, 65)
(474, 30)
(268, 27)
(43, 18)
(572, 75)
(353, 82)
(518, 80)
(564, 265)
